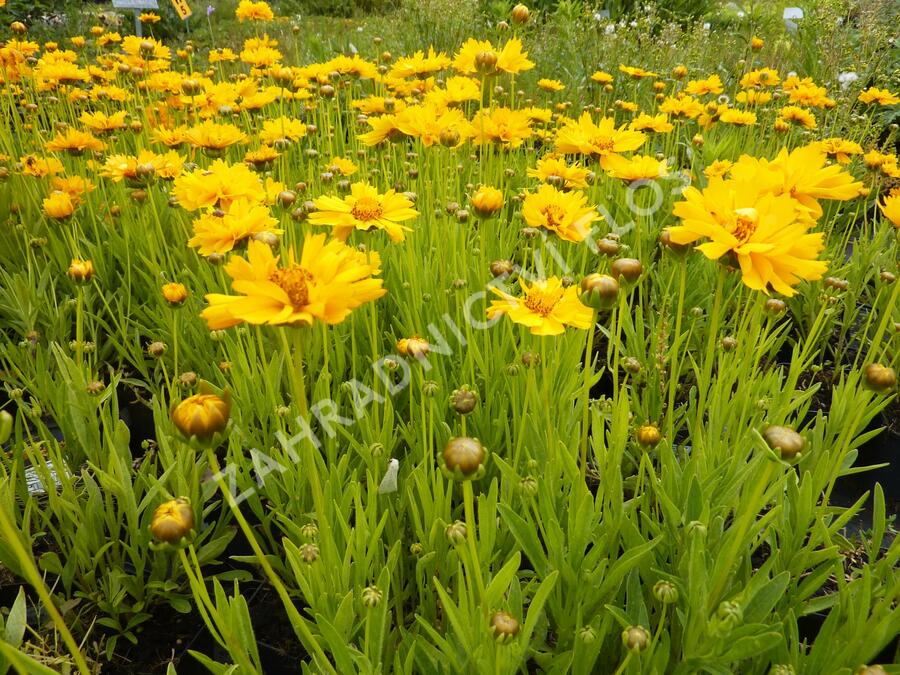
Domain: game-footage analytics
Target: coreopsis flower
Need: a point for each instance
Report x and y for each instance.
(566, 214)
(546, 307)
(364, 209)
(634, 168)
(428, 123)
(103, 123)
(81, 271)
(384, 128)
(507, 128)
(637, 73)
(711, 85)
(487, 201)
(202, 415)
(220, 233)
(174, 293)
(718, 168)
(797, 115)
(219, 185)
(890, 207)
(74, 186)
(419, 64)
(149, 17)
(456, 91)
(879, 96)
(596, 140)
(415, 346)
(550, 85)
(762, 77)
(840, 149)
(556, 171)
(756, 43)
(682, 106)
(509, 59)
(768, 234)
(330, 280)
(341, 166)
(59, 205)
(602, 77)
(742, 118)
(39, 167)
(282, 129)
(213, 136)
(253, 11)
(223, 54)
(171, 138)
(753, 97)
(173, 521)
(802, 173)
(261, 158)
(659, 124)
(74, 142)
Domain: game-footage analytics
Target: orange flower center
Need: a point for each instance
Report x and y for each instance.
(542, 303)
(294, 281)
(554, 214)
(366, 209)
(745, 223)
(603, 144)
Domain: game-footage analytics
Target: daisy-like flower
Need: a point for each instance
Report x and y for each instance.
(890, 207)
(364, 209)
(763, 77)
(587, 138)
(32, 165)
(419, 64)
(630, 169)
(659, 124)
(281, 130)
(546, 307)
(711, 85)
(74, 186)
(384, 129)
(219, 185)
(171, 138)
(797, 115)
(602, 77)
(767, 234)
(341, 166)
(428, 123)
(329, 281)
(473, 54)
(75, 142)
(103, 123)
(149, 17)
(566, 214)
(879, 96)
(637, 73)
(719, 168)
(214, 137)
(507, 128)
(685, 107)
(59, 205)
(741, 118)
(253, 11)
(261, 158)
(753, 97)
(840, 149)
(221, 233)
(555, 171)
(550, 85)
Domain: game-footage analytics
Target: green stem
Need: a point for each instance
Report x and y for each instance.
(585, 413)
(475, 566)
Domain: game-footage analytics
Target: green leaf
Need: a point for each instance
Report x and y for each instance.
(501, 581)
(16, 622)
(537, 605)
(526, 536)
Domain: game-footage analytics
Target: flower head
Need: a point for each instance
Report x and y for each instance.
(564, 213)
(546, 308)
(587, 138)
(365, 209)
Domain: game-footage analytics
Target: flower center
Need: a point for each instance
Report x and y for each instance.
(366, 209)
(542, 303)
(745, 223)
(294, 281)
(554, 214)
(602, 144)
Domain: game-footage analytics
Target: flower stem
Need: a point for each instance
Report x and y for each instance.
(585, 413)
(475, 566)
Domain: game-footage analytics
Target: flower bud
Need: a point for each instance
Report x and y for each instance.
(887, 277)
(175, 294)
(531, 359)
(6, 426)
(504, 626)
(628, 269)
(636, 638)
(871, 670)
(156, 349)
(309, 531)
(309, 553)
(599, 291)
(587, 635)
(456, 533)
(173, 521)
(730, 615)
(81, 271)
(486, 201)
(463, 400)
(880, 378)
(486, 61)
(608, 247)
(774, 306)
(520, 14)
(463, 458)
(631, 365)
(782, 669)
(729, 344)
(501, 268)
(414, 346)
(678, 249)
(371, 596)
(202, 416)
(784, 440)
(648, 435)
(665, 592)
(529, 486)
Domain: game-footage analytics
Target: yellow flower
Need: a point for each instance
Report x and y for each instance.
(797, 115)
(743, 118)
(221, 233)
(341, 166)
(487, 201)
(763, 77)
(753, 97)
(59, 205)
(718, 168)
(546, 307)
(428, 122)
(890, 207)
(171, 138)
(219, 185)
(149, 17)
(550, 85)
(384, 128)
(602, 77)
(510, 59)
(637, 73)
(505, 127)
(253, 11)
(364, 209)
(175, 294)
(81, 271)
(659, 124)
(879, 96)
(840, 149)
(172, 521)
(768, 234)
(634, 168)
(75, 142)
(326, 285)
(282, 129)
(213, 136)
(563, 213)
(103, 123)
(202, 416)
(40, 166)
(681, 106)
(418, 64)
(74, 186)
(711, 85)
(756, 43)
(585, 137)
(554, 170)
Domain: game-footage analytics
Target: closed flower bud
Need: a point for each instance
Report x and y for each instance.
(462, 216)
(531, 359)
(587, 635)
(636, 638)
(309, 531)
(648, 435)
(309, 553)
(414, 347)
(501, 268)
(678, 249)
(463, 400)
(756, 43)
(156, 349)
(774, 306)
(836, 284)
(520, 14)
(463, 458)
(697, 141)
(95, 387)
(784, 440)
(486, 201)
(729, 344)
(430, 388)
(371, 596)
(175, 294)
(628, 269)
(887, 277)
(528, 486)
(416, 549)
(173, 521)
(782, 669)
(880, 378)
(608, 247)
(665, 592)
(81, 271)
(599, 291)
(449, 138)
(456, 533)
(504, 626)
(486, 61)
(730, 615)
(202, 416)
(6, 426)
(631, 365)
(871, 670)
